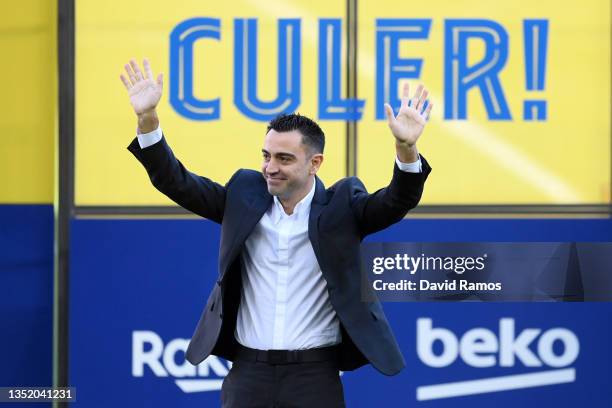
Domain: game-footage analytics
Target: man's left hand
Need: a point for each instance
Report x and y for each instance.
(410, 121)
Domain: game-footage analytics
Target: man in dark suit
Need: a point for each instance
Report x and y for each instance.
(286, 308)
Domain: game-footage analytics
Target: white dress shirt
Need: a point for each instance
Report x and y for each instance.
(284, 302)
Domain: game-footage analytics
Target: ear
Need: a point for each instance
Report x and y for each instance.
(315, 162)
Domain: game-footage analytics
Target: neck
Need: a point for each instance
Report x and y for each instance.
(289, 203)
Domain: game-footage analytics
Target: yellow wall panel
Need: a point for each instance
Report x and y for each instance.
(28, 102)
(564, 159)
(107, 36)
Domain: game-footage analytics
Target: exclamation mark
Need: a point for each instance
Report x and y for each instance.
(535, 34)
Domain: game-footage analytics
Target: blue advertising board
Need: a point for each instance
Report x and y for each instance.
(137, 288)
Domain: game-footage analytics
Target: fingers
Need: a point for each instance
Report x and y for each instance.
(422, 98)
(126, 83)
(414, 101)
(136, 69)
(427, 111)
(419, 102)
(405, 95)
(135, 74)
(160, 81)
(131, 74)
(147, 69)
(389, 113)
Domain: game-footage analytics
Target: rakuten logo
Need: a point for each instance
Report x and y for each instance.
(148, 350)
(481, 348)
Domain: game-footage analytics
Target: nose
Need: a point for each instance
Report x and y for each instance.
(271, 167)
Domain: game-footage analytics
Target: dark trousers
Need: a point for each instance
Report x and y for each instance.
(255, 384)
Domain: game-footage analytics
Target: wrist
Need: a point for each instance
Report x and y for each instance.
(406, 153)
(147, 121)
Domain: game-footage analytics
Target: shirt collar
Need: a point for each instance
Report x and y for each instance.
(302, 207)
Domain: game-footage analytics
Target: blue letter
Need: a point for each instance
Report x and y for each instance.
(390, 68)
(182, 40)
(459, 77)
(331, 105)
(245, 69)
(536, 48)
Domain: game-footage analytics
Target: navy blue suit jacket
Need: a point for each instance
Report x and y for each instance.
(340, 217)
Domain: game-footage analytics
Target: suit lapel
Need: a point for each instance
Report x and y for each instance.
(260, 204)
(318, 203)
(252, 215)
(248, 220)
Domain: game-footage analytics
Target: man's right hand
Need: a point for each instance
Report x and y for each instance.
(144, 93)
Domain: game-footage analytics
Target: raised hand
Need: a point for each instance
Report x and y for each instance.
(144, 91)
(410, 121)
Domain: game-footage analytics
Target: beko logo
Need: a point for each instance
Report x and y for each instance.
(481, 348)
(148, 350)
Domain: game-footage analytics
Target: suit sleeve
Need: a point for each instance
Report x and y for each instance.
(197, 194)
(379, 210)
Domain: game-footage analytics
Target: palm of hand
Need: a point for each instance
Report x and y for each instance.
(144, 95)
(143, 90)
(408, 125)
(410, 121)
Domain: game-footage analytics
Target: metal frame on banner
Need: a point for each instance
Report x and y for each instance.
(64, 192)
(64, 203)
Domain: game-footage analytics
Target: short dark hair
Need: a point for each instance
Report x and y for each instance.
(312, 135)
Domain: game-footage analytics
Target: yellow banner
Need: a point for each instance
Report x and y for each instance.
(106, 173)
(491, 59)
(29, 101)
(521, 92)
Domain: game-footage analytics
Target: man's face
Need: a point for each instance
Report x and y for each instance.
(287, 163)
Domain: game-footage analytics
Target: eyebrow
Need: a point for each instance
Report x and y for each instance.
(281, 154)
